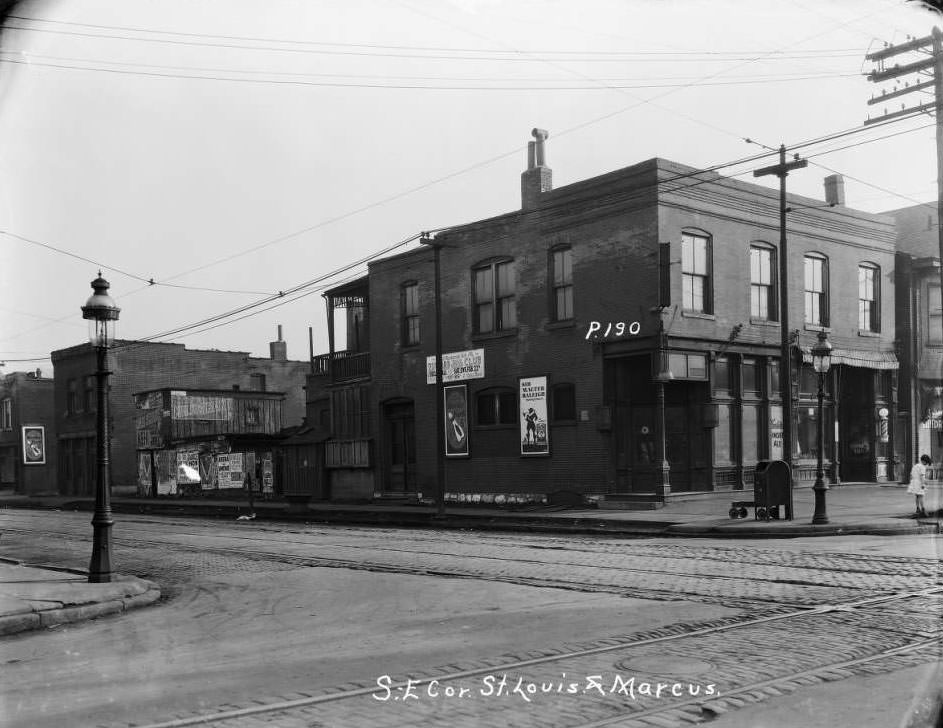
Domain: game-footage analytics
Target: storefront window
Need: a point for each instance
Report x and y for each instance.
(751, 434)
(723, 436)
(774, 379)
(751, 377)
(722, 375)
(808, 432)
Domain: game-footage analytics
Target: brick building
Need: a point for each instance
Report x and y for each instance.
(556, 317)
(143, 366)
(27, 433)
(920, 335)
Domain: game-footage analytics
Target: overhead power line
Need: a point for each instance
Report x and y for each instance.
(318, 46)
(27, 60)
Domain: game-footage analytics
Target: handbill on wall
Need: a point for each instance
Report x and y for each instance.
(455, 401)
(535, 435)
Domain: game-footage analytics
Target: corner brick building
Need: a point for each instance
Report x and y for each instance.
(140, 367)
(557, 317)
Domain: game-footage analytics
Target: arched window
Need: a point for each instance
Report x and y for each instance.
(869, 297)
(816, 290)
(496, 407)
(763, 282)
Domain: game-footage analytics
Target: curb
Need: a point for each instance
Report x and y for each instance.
(55, 616)
(714, 528)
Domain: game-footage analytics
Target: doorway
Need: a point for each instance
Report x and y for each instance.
(400, 452)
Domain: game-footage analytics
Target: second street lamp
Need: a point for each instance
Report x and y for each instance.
(821, 361)
(101, 313)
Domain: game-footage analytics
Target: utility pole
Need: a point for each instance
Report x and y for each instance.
(931, 64)
(781, 170)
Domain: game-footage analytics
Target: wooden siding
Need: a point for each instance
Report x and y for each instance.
(347, 454)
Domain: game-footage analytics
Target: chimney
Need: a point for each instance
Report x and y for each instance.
(538, 177)
(835, 189)
(278, 350)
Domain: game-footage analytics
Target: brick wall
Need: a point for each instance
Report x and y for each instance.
(138, 367)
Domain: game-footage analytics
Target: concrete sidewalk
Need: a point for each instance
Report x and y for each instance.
(854, 508)
(33, 597)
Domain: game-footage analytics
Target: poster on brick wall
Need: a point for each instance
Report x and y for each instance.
(455, 401)
(535, 437)
(34, 445)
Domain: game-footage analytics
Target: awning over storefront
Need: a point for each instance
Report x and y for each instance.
(857, 358)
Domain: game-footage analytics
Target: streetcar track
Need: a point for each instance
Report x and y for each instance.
(774, 613)
(334, 562)
(337, 562)
(513, 665)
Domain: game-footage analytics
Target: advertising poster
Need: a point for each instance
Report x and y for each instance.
(455, 401)
(535, 435)
(229, 470)
(188, 467)
(775, 432)
(34, 445)
(268, 478)
(458, 366)
(166, 462)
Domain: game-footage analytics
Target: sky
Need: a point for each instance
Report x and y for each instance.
(230, 153)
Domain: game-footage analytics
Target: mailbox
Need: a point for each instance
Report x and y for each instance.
(772, 488)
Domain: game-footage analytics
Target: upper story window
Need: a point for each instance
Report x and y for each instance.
(869, 297)
(90, 393)
(72, 397)
(257, 382)
(763, 282)
(496, 407)
(934, 315)
(816, 290)
(495, 305)
(561, 273)
(409, 313)
(6, 414)
(696, 273)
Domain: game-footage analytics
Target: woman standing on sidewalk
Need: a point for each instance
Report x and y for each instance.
(918, 482)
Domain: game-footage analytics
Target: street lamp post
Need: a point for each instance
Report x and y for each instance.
(101, 313)
(821, 361)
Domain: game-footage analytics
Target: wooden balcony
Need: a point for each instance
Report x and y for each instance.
(343, 366)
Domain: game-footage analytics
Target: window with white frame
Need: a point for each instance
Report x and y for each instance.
(763, 282)
(869, 297)
(696, 273)
(816, 290)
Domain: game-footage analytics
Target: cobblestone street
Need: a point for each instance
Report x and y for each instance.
(278, 625)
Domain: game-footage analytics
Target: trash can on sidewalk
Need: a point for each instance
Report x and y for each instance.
(772, 489)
